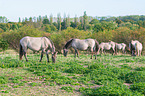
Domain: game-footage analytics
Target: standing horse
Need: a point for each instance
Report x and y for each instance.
(86, 44)
(37, 44)
(135, 47)
(120, 46)
(107, 46)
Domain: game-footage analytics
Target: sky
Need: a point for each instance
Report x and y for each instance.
(13, 9)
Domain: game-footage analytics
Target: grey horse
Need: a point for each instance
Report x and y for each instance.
(86, 44)
(120, 46)
(107, 46)
(135, 47)
(37, 44)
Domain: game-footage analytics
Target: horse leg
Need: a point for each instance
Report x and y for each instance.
(113, 51)
(140, 52)
(76, 52)
(101, 51)
(104, 52)
(47, 55)
(124, 51)
(25, 54)
(132, 53)
(91, 53)
(41, 55)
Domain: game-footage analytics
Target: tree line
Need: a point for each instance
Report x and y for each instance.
(62, 29)
(84, 22)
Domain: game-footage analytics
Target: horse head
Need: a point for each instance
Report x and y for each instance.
(54, 55)
(65, 51)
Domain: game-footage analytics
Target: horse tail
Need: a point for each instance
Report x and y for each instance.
(97, 46)
(21, 52)
(116, 48)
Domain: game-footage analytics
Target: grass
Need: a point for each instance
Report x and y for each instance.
(72, 76)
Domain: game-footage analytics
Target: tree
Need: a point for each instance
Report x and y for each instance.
(3, 19)
(64, 23)
(59, 22)
(75, 22)
(51, 19)
(118, 21)
(68, 21)
(80, 27)
(94, 21)
(85, 21)
(19, 19)
(46, 28)
(45, 21)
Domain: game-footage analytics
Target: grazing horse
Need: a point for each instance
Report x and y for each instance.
(86, 44)
(107, 46)
(37, 44)
(135, 47)
(120, 46)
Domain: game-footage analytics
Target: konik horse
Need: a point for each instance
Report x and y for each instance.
(135, 47)
(37, 44)
(107, 46)
(120, 46)
(86, 44)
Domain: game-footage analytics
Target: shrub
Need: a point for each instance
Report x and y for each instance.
(13, 37)
(4, 45)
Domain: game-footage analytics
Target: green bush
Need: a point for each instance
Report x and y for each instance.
(13, 37)
(4, 45)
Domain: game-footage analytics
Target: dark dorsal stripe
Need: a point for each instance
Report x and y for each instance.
(68, 43)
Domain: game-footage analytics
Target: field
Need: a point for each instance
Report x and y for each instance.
(120, 75)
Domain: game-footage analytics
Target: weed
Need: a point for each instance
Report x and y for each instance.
(68, 88)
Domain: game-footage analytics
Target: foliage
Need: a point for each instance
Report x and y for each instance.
(104, 76)
(140, 87)
(13, 37)
(60, 30)
(110, 90)
(67, 88)
(138, 76)
(4, 45)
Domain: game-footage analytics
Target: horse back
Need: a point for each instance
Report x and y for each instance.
(106, 46)
(138, 46)
(83, 44)
(35, 43)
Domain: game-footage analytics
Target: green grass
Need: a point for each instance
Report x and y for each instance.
(72, 76)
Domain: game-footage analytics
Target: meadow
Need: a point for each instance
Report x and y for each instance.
(119, 75)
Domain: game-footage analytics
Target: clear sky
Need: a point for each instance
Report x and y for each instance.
(13, 9)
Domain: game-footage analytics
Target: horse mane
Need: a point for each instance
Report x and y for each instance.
(68, 43)
(53, 47)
